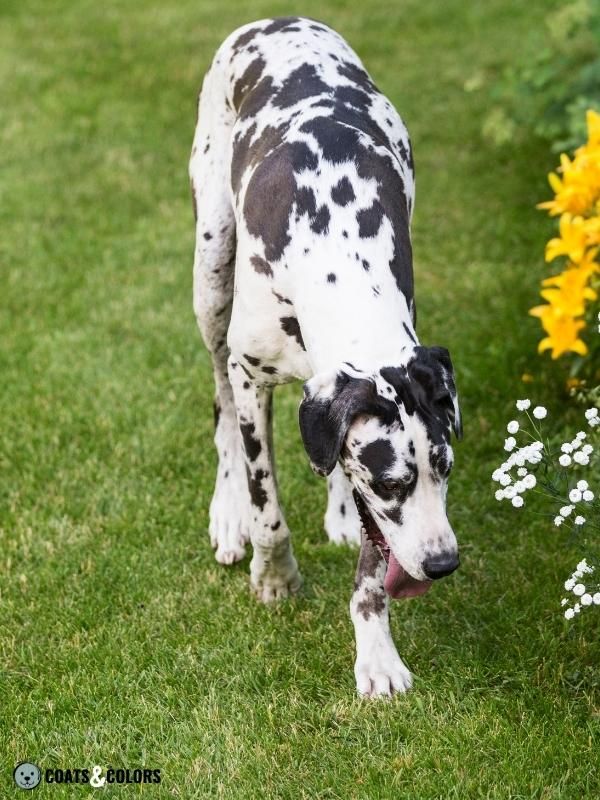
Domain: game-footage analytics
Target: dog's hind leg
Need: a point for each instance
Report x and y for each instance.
(214, 260)
(342, 522)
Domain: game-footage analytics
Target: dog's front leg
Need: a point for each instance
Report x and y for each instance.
(273, 569)
(379, 670)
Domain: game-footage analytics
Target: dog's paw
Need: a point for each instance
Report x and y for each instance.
(228, 528)
(381, 673)
(275, 579)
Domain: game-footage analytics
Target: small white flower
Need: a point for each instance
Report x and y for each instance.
(569, 613)
(587, 449)
(517, 501)
(521, 472)
(582, 485)
(581, 458)
(499, 495)
(510, 443)
(539, 412)
(558, 521)
(586, 599)
(579, 520)
(581, 435)
(589, 414)
(564, 601)
(567, 447)
(566, 510)
(497, 474)
(588, 496)
(504, 480)
(575, 495)
(579, 589)
(577, 608)
(529, 481)
(510, 492)
(596, 599)
(583, 566)
(519, 458)
(565, 460)
(523, 405)
(569, 584)
(513, 426)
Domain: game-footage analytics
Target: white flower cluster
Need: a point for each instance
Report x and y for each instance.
(529, 454)
(576, 451)
(576, 495)
(592, 416)
(578, 589)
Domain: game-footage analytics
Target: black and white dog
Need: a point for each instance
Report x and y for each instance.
(303, 187)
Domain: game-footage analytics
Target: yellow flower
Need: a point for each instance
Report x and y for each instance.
(562, 331)
(527, 377)
(569, 292)
(572, 240)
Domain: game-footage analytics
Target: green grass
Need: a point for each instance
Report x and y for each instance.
(122, 642)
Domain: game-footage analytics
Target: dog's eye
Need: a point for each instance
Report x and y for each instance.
(393, 487)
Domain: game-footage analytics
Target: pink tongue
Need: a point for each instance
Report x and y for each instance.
(398, 583)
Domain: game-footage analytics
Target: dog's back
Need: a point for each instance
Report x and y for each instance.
(319, 168)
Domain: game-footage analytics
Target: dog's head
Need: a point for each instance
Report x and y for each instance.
(391, 434)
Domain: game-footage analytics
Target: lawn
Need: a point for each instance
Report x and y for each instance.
(122, 642)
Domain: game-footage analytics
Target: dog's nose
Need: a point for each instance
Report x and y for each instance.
(440, 565)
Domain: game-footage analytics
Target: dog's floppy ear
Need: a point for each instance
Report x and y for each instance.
(331, 402)
(447, 388)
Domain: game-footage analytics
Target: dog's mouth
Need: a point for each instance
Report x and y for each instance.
(397, 583)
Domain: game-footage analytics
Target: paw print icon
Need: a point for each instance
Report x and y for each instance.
(27, 775)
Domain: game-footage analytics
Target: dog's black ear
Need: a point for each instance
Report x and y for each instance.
(445, 392)
(331, 402)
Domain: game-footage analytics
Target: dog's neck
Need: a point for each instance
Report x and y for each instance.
(367, 340)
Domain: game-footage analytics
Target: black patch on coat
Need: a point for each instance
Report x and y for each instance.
(271, 193)
(373, 602)
(216, 412)
(369, 220)
(269, 370)
(302, 83)
(252, 360)
(320, 223)
(261, 266)
(353, 97)
(343, 510)
(365, 264)
(378, 457)
(241, 144)
(244, 39)
(331, 277)
(248, 80)
(291, 326)
(281, 298)
(207, 236)
(252, 445)
(282, 24)
(343, 193)
(258, 496)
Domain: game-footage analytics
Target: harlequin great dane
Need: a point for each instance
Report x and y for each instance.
(302, 180)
